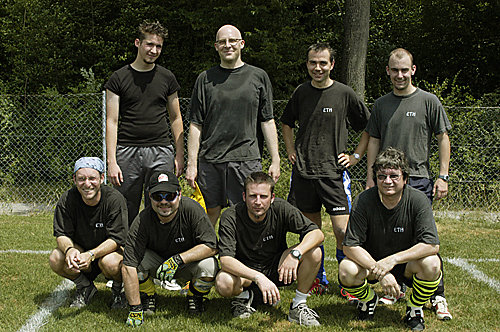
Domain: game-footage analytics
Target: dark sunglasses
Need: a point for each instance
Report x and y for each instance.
(169, 197)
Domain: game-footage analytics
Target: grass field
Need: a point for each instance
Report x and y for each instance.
(26, 282)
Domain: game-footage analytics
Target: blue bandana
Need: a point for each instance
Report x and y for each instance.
(89, 162)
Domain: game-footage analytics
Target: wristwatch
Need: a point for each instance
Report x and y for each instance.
(92, 255)
(296, 254)
(357, 156)
(444, 177)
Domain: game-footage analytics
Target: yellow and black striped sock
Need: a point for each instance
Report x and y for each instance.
(199, 287)
(147, 286)
(363, 292)
(422, 291)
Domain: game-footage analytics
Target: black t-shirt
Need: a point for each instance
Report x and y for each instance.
(190, 227)
(257, 244)
(143, 105)
(383, 232)
(229, 104)
(89, 226)
(407, 123)
(323, 116)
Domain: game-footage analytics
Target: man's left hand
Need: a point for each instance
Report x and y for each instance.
(288, 270)
(347, 160)
(383, 267)
(167, 270)
(440, 189)
(390, 285)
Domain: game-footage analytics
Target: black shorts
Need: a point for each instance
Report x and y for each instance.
(311, 194)
(425, 185)
(222, 184)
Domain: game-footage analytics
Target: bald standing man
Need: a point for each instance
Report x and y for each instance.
(230, 102)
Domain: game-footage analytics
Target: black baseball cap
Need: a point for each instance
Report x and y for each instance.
(163, 181)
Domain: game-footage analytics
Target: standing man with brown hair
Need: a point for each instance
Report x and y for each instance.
(139, 98)
(229, 102)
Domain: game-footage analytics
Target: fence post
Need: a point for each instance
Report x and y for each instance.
(104, 158)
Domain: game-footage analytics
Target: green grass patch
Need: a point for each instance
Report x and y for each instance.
(26, 281)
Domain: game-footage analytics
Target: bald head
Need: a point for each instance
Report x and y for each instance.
(228, 30)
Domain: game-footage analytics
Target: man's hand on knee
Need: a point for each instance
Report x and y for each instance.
(167, 270)
(270, 293)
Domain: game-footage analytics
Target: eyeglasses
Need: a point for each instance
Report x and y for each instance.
(393, 177)
(224, 42)
(169, 197)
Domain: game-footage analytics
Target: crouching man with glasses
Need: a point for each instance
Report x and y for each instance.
(391, 238)
(171, 239)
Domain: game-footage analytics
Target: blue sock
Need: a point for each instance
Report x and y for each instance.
(339, 255)
(321, 272)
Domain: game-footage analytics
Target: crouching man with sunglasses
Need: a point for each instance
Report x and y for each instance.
(391, 238)
(173, 238)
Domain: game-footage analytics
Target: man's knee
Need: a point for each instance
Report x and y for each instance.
(313, 256)
(427, 268)
(349, 272)
(225, 284)
(111, 265)
(56, 260)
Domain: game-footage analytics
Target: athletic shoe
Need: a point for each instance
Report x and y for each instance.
(83, 296)
(350, 298)
(148, 303)
(440, 306)
(415, 318)
(366, 309)
(195, 304)
(168, 285)
(242, 308)
(118, 301)
(390, 300)
(318, 288)
(303, 315)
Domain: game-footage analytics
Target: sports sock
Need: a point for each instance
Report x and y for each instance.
(339, 255)
(199, 287)
(299, 298)
(147, 286)
(321, 272)
(422, 291)
(363, 292)
(81, 281)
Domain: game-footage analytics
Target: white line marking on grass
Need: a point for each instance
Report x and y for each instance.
(54, 301)
(16, 251)
(474, 272)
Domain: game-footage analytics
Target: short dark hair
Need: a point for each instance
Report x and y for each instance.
(400, 53)
(258, 178)
(151, 27)
(391, 158)
(318, 47)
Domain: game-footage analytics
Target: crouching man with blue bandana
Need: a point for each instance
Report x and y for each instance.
(391, 238)
(171, 239)
(90, 226)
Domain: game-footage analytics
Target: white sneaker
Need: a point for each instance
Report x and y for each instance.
(440, 305)
(390, 300)
(168, 285)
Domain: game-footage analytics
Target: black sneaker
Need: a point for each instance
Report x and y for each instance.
(415, 318)
(83, 296)
(148, 303)
(242, 308)
(118, 297)
(366, 310)
(195, 304)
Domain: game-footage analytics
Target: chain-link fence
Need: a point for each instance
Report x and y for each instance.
(42, 136)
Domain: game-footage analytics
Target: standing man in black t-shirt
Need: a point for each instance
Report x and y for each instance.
(391, 238)
(231, 103)
(171, 239)
(139, 97)
(323, 109)
(255, 257)
(90, 226)
(406, 119)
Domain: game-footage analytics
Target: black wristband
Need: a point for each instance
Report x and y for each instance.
(137, 307)
(178, 259)
(67, 249)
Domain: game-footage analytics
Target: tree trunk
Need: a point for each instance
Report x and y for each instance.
(356, 30)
